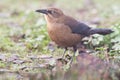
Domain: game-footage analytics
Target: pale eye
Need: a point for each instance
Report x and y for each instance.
(53, 12)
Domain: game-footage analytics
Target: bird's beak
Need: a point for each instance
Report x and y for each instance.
(44, 11)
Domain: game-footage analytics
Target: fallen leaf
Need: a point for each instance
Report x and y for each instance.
(2, 57)
(18, 61)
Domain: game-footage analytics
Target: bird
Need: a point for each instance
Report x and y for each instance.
(66, 31)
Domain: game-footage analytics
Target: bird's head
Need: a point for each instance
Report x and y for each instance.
(51, 14)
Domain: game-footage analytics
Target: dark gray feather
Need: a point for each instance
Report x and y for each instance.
(79, 28)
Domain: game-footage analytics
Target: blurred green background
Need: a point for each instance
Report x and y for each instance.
(23, 31)
(21, 27)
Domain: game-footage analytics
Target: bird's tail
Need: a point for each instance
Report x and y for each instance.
(102, 31)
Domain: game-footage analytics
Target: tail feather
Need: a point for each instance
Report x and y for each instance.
(102, 31)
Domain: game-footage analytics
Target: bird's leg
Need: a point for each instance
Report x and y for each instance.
(75, 49)
(64, 52)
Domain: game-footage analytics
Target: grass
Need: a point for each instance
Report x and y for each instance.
(24, 38)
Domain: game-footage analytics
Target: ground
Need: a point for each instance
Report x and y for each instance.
(25, 46)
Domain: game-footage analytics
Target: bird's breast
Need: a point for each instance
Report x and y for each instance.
(62, 35)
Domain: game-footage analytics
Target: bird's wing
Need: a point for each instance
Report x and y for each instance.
(79, 28)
